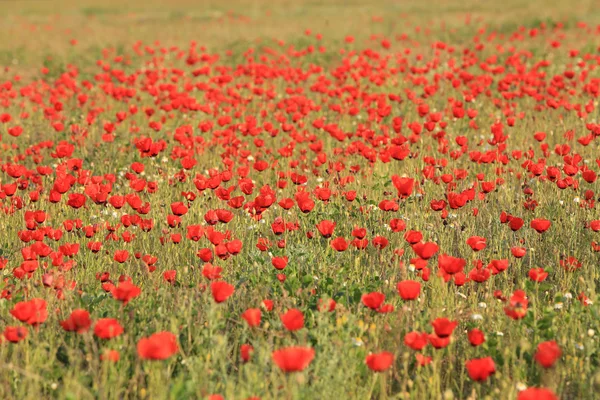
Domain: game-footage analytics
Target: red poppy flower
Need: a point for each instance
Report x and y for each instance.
(339, 244)
(293, 319)
(438, 342)
(476, 243)
(252, 316)
(517, 306)
(423, 360)
(293, 359)
(480, 369)
(537, 274)
(451, 265)
(110, 355)
(540, 225)
(443, 327)
(379, 362)
(158, 346)
(537, 394)
(326, 228)
(221, 290)
(279, 262)
(32, 312)
(409, 290)
(404, 186)
(547, 353)
(476, 337)
(15, 334)
(373, 300)
(107, 328)
(79, 321)
(211, 272)
(246, 352)
(125, 292)
(416, 340)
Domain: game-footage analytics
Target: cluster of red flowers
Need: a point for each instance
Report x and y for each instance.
(298, 151)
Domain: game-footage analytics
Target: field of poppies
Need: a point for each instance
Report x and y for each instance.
(307, 200)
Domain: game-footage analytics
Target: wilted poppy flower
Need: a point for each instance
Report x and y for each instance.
(221, 290)
(293, 359)
(107, 328)
(547, 353)
(158, 346)
(380, 361)
(480, 369)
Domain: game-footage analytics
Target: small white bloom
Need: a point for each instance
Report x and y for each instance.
(499, 334)
(482, 305)
(591, 332)
(568, 296)
(558, 306)
(476, 317)
(521, 386)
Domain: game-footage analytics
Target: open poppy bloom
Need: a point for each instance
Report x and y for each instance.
(379, 362)
(32, 312)
(547, 353)
(158, 346)
(536, 394)
(480, 369)
(15, 334)
(221, 291)
(107, 328)
(293, 359)
(409, 290)
(79, 321)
